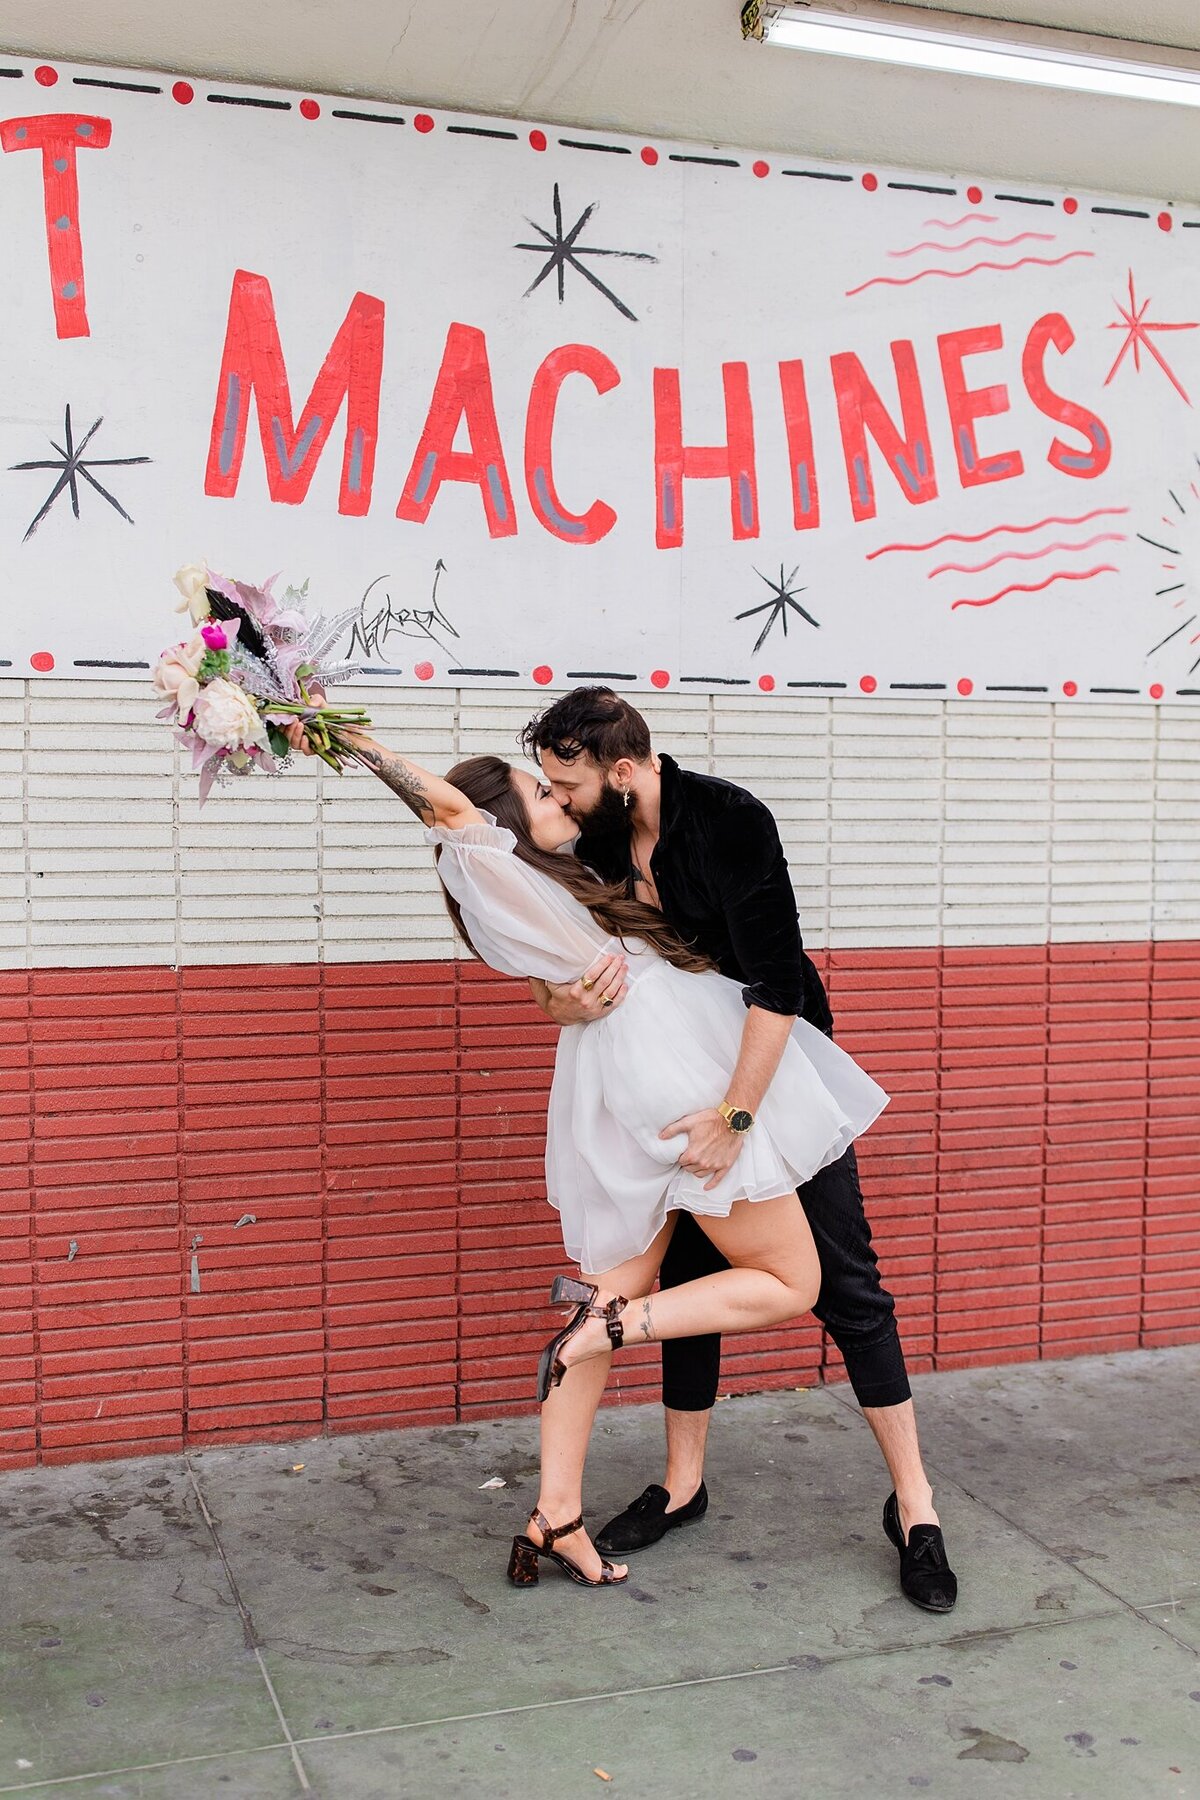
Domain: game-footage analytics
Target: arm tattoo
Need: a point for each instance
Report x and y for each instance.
(646, 1323)
(395, 773)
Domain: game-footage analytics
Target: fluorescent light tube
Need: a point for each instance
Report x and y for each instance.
(956, 53)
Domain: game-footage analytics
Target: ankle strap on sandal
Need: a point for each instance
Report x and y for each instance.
(552, 1533)
(612, 1322)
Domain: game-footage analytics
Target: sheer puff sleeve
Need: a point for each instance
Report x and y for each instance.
(520, 921)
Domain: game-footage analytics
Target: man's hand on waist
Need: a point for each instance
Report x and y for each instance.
(595, 996)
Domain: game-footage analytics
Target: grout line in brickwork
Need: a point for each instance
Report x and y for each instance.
(826, 940)
(1043, 1198)
(1151, 985)
(323, 1095)
(176, 859)
(456, 994)
(35, 1323)
(323, 1177)
(938, 1070)
(26, 773)
(181, 1101)
(249, 1632)
(1144, 1223)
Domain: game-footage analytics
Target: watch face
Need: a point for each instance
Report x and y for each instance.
(740, 1119)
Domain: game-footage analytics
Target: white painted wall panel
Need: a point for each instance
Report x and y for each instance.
(907, 824)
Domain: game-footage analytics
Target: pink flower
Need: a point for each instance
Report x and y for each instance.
(214, 636)
(175, 673)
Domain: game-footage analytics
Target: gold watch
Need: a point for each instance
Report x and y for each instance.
(736, 1117)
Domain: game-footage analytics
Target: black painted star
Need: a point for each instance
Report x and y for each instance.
(563, 249)
(783, 598)
(72, 467)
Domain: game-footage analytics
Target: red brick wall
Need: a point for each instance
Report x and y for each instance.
(1032, 1186)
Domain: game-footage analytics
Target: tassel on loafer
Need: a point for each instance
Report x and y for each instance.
(566, 1291)
(925, 1573)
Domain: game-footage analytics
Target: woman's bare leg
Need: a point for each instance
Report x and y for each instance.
(775, 1276)
(570, 1409)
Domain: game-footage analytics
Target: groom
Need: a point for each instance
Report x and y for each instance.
(708, 855)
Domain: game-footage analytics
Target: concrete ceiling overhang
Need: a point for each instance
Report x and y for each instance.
(668, 68)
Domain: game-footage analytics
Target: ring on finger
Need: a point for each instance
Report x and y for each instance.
(587, 984)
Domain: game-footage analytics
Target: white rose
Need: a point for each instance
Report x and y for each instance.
(227, 716)
(192, 581)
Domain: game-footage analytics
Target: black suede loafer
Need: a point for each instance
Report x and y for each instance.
(925, 1573)
(647, 1520)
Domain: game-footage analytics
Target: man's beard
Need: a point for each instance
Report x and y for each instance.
(610, 813)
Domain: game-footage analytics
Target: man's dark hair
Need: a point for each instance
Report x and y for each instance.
(591, 719)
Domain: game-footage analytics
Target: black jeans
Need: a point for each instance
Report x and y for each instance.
(853, 1305)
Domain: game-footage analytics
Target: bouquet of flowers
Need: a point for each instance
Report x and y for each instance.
(253, 665)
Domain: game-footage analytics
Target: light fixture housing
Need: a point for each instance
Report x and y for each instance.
(967, 44)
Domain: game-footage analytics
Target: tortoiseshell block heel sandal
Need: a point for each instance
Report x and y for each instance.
(523, 1563)
(583, 1296)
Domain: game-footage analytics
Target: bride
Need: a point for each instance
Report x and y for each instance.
(523, 905)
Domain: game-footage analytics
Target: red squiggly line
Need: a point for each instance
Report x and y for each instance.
(1104, 537)
(958, 537)
(967, 219)
(1022, 237)
(1042, 262)
(1019, 588)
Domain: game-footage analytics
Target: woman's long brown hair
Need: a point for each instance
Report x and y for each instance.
(488, 784)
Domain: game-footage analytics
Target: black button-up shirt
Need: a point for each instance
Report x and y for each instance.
(723, 882)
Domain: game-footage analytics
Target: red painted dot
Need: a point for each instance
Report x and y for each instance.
(46, 75)
(1070, 689)
(1070, 204)
(761, 169)
(767, 683)
(310, 109)
(543, 675)
(659, 678)
(868, 684)
(870, 182)
(974, 195)
(538, 140)
(184, 92)
(649, 155)
(966, 685)
(42, 661)
(1156, 691)
(1165, 221)
(423, 122)
(423, 671)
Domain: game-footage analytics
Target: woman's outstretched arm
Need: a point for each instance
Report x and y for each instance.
(433, 800)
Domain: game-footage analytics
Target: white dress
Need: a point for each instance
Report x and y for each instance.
(669, 1049)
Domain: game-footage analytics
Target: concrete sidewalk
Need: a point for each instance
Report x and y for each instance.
(226, 1625)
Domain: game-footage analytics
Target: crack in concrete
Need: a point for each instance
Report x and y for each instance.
(249, 1634)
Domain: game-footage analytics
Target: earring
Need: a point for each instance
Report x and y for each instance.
(625, 798)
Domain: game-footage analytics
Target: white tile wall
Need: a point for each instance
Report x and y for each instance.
(905, 822)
